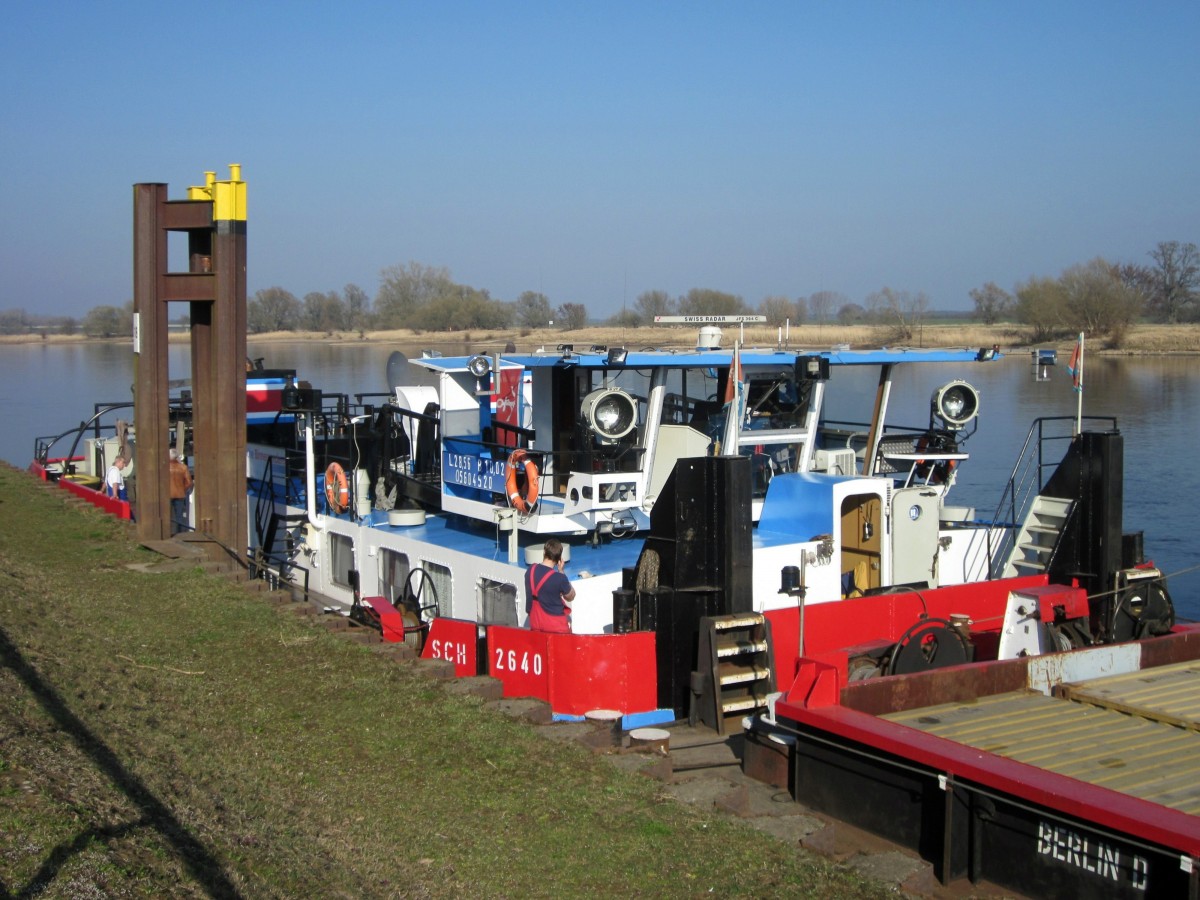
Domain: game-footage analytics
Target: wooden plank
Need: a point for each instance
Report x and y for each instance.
(1168, 694)
(1142, 757)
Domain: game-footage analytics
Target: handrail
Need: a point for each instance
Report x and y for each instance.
(43, 445)
(1027, 480)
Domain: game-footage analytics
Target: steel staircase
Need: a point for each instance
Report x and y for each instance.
(736, 669)
(1038, 537)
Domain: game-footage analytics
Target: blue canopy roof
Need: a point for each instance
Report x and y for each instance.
(691, 359)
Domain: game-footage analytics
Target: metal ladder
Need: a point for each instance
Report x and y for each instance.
(736, 669)
(1039, 535)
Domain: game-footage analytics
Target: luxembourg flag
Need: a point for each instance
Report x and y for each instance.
(1075, 366)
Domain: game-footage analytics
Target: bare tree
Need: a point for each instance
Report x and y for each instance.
(533, 310)
(850, 314)
(323, 312)
(462, 308)
(823, 304)
(1041, 304)
(654, 303)
(572, 316)
(272, 309)
(626, 318)
(14, 321)
(1174, 281)
(1096, 300)
(899, 312)
(102, 321)
(358, 307)
(707, 302)
(992, 303)
(403, 290)
(777, 310)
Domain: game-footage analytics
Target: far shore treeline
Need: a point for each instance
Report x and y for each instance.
(1100, 298)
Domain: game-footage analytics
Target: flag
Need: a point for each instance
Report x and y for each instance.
(1075, 366)
(733, 405)
(732, 384)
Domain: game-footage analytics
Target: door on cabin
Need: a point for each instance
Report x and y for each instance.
(862, 544)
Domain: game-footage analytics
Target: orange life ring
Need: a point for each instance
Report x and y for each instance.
(517, 461)
(936, 472)
(337, 490)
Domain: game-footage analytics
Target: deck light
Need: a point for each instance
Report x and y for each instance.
(610, 413)
(479, 365)
(789, 577)
(955, 404)
(812, 368)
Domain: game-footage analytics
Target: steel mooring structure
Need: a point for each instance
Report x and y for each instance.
(214, 219)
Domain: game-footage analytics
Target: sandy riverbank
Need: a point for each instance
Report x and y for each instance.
(1141, 340)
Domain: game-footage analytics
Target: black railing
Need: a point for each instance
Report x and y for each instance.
(1029, 474)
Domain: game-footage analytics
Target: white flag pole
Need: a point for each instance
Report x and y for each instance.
(1079, 390)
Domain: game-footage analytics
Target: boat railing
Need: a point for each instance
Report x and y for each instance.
(854, 435)
(43, 446)
(1038, 457)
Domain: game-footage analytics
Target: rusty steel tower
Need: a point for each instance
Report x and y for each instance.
(214, 219)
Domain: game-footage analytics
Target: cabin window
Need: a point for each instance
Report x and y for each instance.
(497, 602)
(393, 573)
(442, 585)
(341, 557)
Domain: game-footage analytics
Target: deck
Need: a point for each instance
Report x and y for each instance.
(1135, 733)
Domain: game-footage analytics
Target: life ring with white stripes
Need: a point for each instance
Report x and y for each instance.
(519, 460)
(337, 489)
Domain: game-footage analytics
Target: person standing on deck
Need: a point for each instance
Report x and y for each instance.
(114, 481)
(181, 483)
(548, 592)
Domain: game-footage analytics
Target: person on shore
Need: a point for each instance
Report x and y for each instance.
(548, 592)
(181, 483)
(114, 481)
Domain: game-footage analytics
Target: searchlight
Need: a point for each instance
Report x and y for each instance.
(610, 413)
(955, 404)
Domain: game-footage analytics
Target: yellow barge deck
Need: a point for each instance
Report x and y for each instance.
(1137, 733)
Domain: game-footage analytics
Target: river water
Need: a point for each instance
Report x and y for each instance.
(45, 389)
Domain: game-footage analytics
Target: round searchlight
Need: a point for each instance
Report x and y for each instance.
(479, 365)
(610, 413)
(956, 404)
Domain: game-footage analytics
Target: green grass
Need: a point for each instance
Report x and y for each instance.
(171, 735)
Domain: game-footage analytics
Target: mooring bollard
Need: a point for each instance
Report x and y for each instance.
(655, 740)
(606, 722)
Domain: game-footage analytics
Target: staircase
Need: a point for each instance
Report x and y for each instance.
(736, 669)
(1036, 541)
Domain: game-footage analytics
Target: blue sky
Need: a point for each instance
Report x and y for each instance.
(594, 151)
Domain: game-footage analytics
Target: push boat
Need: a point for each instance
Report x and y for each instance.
(751, 553)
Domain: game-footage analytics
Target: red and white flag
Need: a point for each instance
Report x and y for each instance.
(1075, 366)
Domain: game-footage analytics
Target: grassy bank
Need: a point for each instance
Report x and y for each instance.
(172, 735)
(1139, 340)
